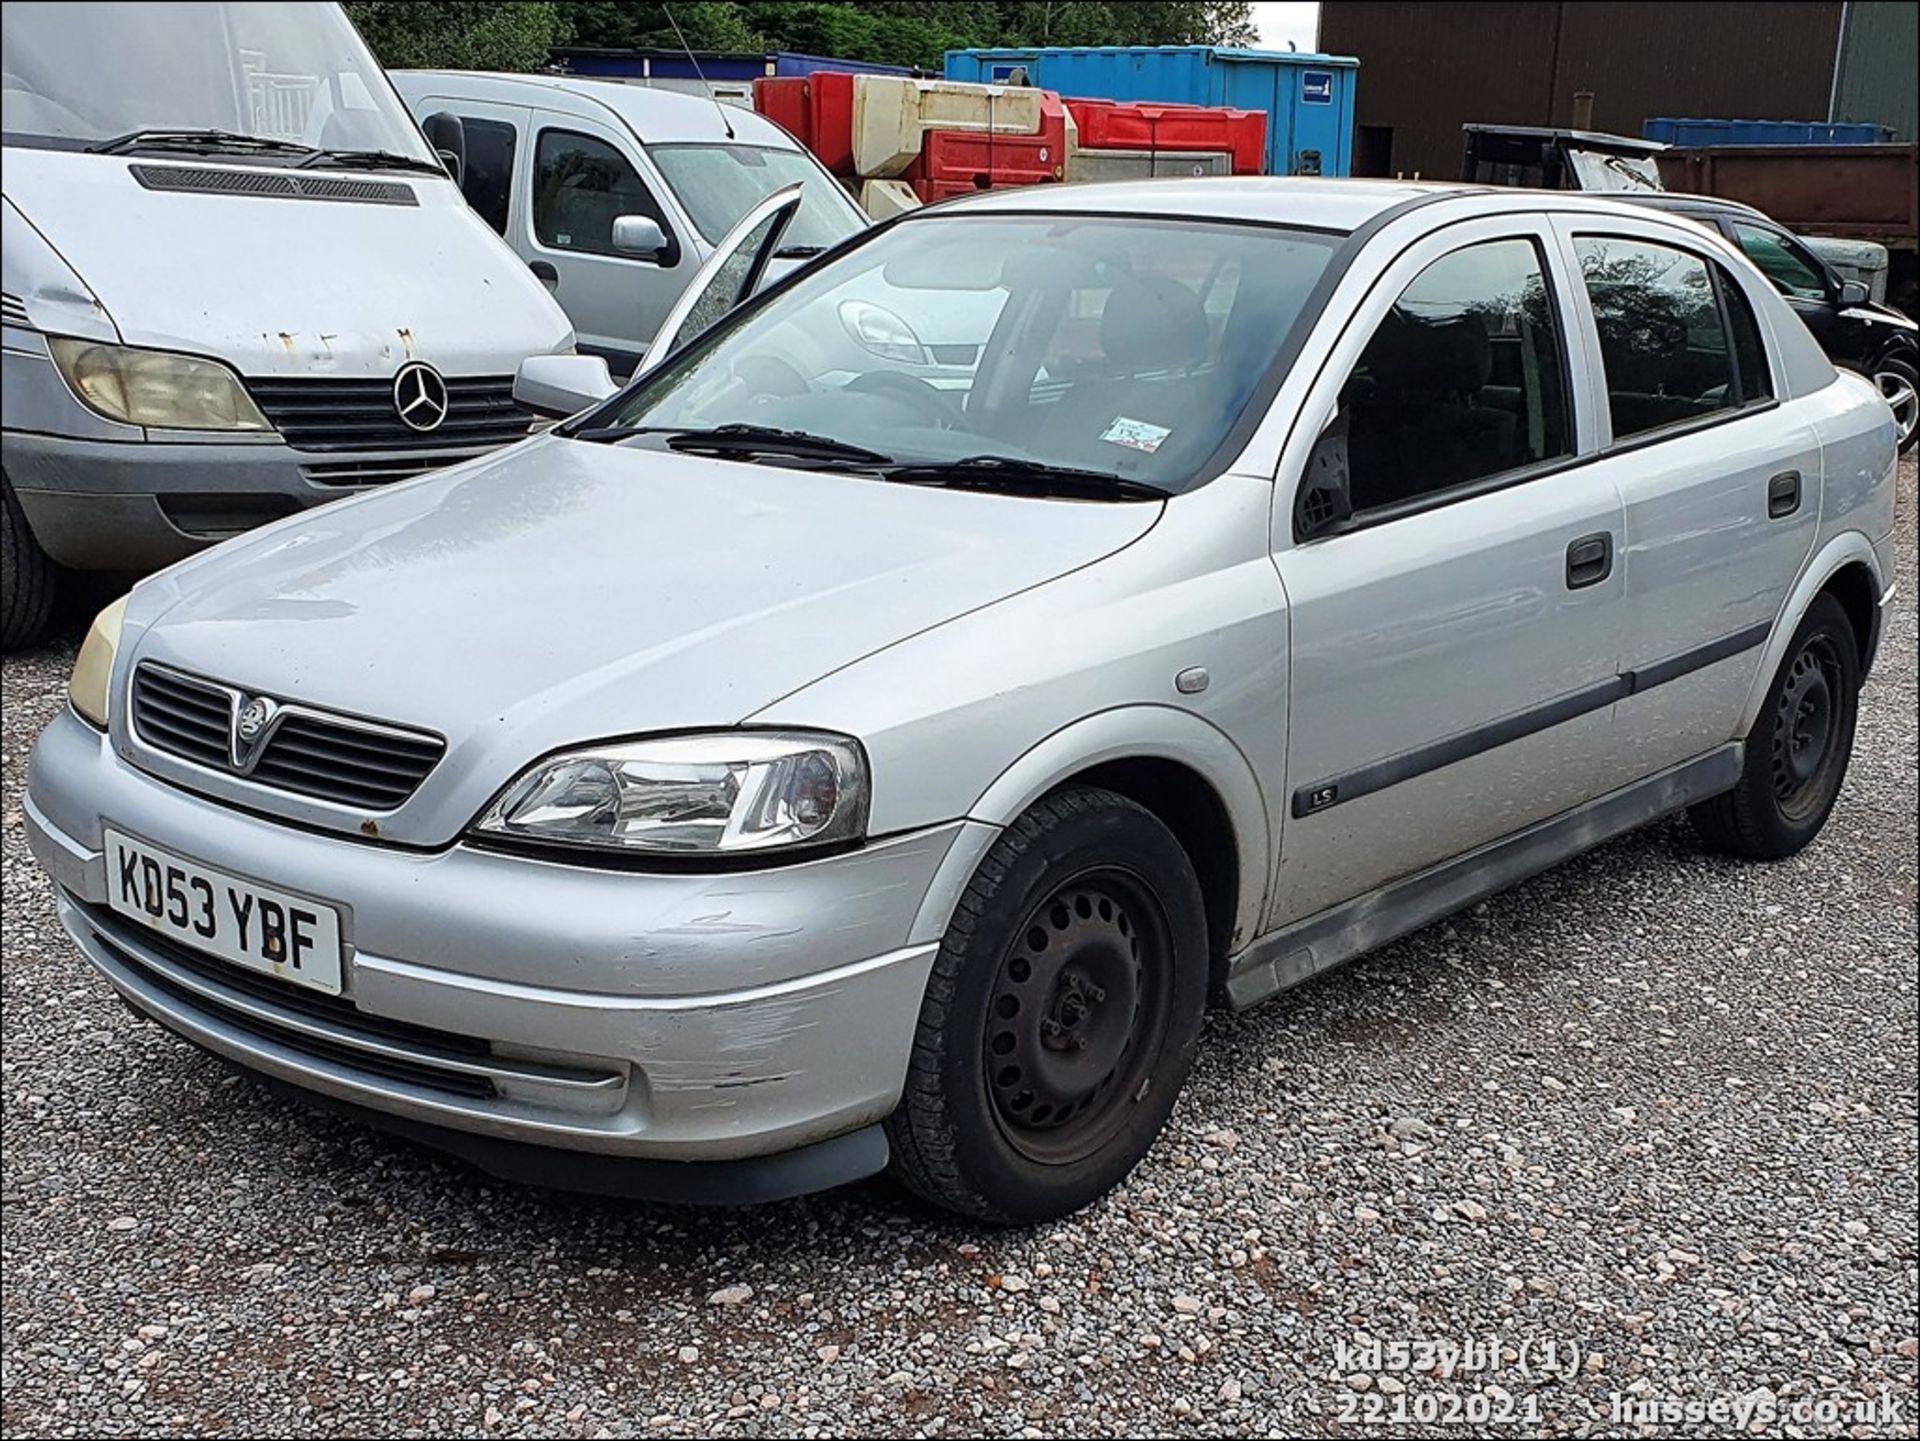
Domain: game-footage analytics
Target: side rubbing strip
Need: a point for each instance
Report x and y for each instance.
(1323, 795)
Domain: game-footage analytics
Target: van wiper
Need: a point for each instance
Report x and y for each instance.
(739, 439)
(370, 160)
(204, 141)
(1026, 477)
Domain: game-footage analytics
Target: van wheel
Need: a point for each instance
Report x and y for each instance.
(1061, 1017)
(27, 577)
(1798, 752)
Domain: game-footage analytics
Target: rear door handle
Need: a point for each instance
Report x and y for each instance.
(1589, 560)
(1783, 494)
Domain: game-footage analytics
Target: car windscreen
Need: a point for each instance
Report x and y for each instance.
(74, 74)
(720, 183)
(1129, 347)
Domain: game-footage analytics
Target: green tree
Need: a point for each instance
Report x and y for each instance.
(618, 25)
(461, 34)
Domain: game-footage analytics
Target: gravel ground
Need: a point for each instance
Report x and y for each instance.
(1649, 1122)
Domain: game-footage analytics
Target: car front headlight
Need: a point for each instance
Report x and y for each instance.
(713, 794)
(87, 688)
(155, 387)
(881, 332)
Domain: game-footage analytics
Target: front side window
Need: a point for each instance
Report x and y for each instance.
(487, 179)
(1463, 379)
(580, 187)
(1125, 347)
(1782, 261)
(720, 183)
(1663, 340)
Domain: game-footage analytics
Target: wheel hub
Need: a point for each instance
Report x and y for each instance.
(1804, 727)
(1076, 991)
(1902, 400)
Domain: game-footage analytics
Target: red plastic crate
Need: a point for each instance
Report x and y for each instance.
(1111, 125)
(830, 120)
(783, 100)
(958, 162)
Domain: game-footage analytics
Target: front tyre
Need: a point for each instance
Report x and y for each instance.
(27, 577)
(1801, 744)
(1061, 1016)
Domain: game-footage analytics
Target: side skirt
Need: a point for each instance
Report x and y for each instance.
(1286, 957)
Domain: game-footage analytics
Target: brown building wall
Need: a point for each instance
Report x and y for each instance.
(1426, 69)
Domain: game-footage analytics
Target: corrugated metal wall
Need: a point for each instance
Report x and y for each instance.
(1426, 69)
(1879, 58)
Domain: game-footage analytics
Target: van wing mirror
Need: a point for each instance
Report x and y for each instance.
(1854, 292)
(561, 385)
(1324, 503)
(447, 134)
(639, 235)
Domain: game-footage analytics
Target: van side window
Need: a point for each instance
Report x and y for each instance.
(580, 187)
(1662, 342)
(1782, 261)
(1749, 354)
(487, 180)
(1464, 379)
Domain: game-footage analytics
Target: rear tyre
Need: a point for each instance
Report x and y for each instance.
(1899, 383)
(1061, 1017)
(28, 578)
(1798, 752)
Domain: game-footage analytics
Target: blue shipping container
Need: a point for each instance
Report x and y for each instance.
(1671, 130)
(1308, 98)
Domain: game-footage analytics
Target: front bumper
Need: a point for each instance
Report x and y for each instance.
(517, 1003)
(119, 505)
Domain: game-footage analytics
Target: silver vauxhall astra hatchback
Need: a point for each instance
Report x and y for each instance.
(771, 774)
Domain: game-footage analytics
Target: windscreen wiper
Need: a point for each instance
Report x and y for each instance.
(1025, 477)
(370, 160)
(739, 439)
(799, 252)
(206, 141)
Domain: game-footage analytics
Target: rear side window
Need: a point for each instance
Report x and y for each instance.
(487, 179)
(1749, 354)
(580, 187)
(1782, 261)
(1464, 379)
(1663, 315)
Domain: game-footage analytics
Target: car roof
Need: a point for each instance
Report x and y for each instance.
(658, 116)
(1342, 205)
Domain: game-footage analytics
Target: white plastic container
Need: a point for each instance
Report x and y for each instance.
(892, 113)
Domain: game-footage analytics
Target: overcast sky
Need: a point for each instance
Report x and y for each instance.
(1281, 21)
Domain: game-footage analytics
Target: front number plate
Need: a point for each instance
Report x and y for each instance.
(250, 925)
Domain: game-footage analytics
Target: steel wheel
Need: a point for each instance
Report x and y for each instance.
(1079, 1009)
(1804, 729)
(1902, 399)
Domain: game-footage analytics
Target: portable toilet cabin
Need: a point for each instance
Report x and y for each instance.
(1308, 98)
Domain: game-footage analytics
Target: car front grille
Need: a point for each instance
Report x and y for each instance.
(337, 415)
(335, 758)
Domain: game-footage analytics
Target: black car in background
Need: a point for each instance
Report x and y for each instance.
(1876, 340)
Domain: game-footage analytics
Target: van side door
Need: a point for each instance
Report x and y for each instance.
(1455, 642)
(1720, 480)
(581, 176)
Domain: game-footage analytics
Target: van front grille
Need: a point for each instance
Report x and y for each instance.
(336, 415)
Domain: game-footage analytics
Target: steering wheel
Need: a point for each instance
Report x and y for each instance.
(927, 398)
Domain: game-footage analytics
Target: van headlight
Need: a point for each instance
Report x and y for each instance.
(880, 332)
(722, 793)
(155, 387)
(92, 673)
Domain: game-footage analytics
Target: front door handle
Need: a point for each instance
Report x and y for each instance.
(1783, 494)
(544, 270)
(1589, 560)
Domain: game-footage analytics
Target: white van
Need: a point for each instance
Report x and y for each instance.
(553, 162)
(238, 281)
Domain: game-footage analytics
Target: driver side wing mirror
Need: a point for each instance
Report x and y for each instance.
(640, 235)
(1324, 503)
(447, 134)
(1854, 292)
(557, 386)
